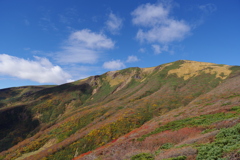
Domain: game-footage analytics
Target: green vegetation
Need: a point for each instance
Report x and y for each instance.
(103, 135)
(227, 103)
(143, 156)
(235, 71)
(53, 104)
(227, 140)
(178, 114)
(235, 68)
(104, 91)
(236, 108)
(166, 146)
(70, 127)
(203, 120)
(177, 158)
(129, 70)
(163, 147)
(15, 127)
(208, 130)
(233, 95)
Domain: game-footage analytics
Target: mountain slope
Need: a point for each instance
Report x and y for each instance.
(132, 106)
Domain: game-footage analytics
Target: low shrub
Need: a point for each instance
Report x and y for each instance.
(143, 156)
(227, 140)
(203, 120)
(166, 146)
(235, 108)
(177, 158)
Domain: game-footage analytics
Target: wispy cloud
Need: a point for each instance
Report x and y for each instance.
(114, 65)
(206, 11)
(158, 49)
(26, 22)
(114, 23)
(132, 59)
(46, 24)
(156, 25)
(64, 19)
(82, 71)
(83, 46)
(39, 70)
(142, 50)
(208, 8)
(69, 16)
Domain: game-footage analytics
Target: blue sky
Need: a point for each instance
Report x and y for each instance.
(54, 42)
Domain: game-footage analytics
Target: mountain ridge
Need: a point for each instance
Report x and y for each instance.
(109, 110)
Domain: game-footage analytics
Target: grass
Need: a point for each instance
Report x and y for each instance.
(104, 91)
(129, 70)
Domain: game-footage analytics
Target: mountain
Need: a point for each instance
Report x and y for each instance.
(175, 111)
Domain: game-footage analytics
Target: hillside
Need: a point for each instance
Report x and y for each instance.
(175, 111)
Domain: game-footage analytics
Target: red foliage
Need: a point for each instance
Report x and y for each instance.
(172, 136)
(144, 127)
(82, 155)
(114, 140)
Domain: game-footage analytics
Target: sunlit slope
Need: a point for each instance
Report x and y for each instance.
(79, 117)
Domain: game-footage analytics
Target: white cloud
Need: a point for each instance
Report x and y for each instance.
(84, 46)
(171, 31)
(157, 49)
(114, 65)
(39, 70)
(132, 59)
(157, 25)
(150, 14)
(90, 40)
(70, 80)
(114, 23)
